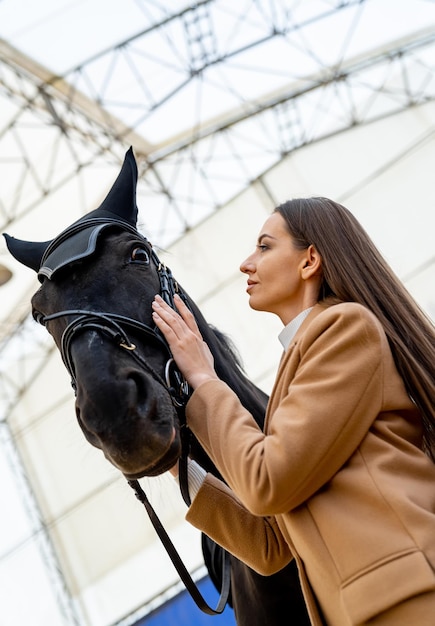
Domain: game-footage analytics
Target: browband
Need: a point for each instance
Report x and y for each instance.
(77, 242)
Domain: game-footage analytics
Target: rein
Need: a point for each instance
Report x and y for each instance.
(114, 327)
(178, 563)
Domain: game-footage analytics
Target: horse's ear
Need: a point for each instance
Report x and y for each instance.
(120, 202)
(28, 253)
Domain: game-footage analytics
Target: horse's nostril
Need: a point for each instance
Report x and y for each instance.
(139, 392)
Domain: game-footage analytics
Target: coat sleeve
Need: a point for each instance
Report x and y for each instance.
(257, 541)
(329, 403)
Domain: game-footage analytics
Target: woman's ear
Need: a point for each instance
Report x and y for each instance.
(312, 263)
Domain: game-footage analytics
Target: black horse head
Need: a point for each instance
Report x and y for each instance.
(95, 275)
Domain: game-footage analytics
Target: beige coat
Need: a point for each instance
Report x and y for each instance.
(337, 479)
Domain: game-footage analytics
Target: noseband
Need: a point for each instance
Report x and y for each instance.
(114, 327)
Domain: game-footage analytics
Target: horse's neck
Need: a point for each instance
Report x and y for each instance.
(251, 397)
(228, 367)
(230, 371)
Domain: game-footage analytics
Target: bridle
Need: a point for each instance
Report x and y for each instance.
(116, 328)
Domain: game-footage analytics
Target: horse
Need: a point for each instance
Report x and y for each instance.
(98, 279)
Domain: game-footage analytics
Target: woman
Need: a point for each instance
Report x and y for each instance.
(343, 477)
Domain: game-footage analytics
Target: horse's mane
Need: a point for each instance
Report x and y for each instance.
(229, 368)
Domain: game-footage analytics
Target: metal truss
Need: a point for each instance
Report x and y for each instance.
(39, 532)
(54, 128)
(164, 76)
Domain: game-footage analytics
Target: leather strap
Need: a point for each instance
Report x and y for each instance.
(178, 563)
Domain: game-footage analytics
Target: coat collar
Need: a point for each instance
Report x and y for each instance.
(315, 311)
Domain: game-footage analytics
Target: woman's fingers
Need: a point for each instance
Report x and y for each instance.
(172, 317)
(166, 318)
(185, 341)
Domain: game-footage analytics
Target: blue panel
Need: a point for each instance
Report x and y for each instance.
(182, 610)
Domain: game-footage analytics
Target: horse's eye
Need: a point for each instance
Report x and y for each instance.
(140, 255)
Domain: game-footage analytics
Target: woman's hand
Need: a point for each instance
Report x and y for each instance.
(188, 348)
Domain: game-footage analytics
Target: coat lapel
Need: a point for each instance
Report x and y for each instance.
(289, 363)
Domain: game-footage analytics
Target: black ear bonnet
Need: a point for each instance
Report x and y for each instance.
(79, 240)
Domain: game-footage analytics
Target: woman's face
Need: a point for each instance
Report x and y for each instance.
(277, 272)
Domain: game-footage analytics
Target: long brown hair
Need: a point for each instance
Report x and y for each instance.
(355, 271)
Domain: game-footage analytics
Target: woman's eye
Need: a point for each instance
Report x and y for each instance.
(262, 247)
(140, 255)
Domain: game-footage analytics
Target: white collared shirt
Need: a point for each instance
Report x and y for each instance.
(289, 331)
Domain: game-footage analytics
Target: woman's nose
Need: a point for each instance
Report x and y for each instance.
(246, 266)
